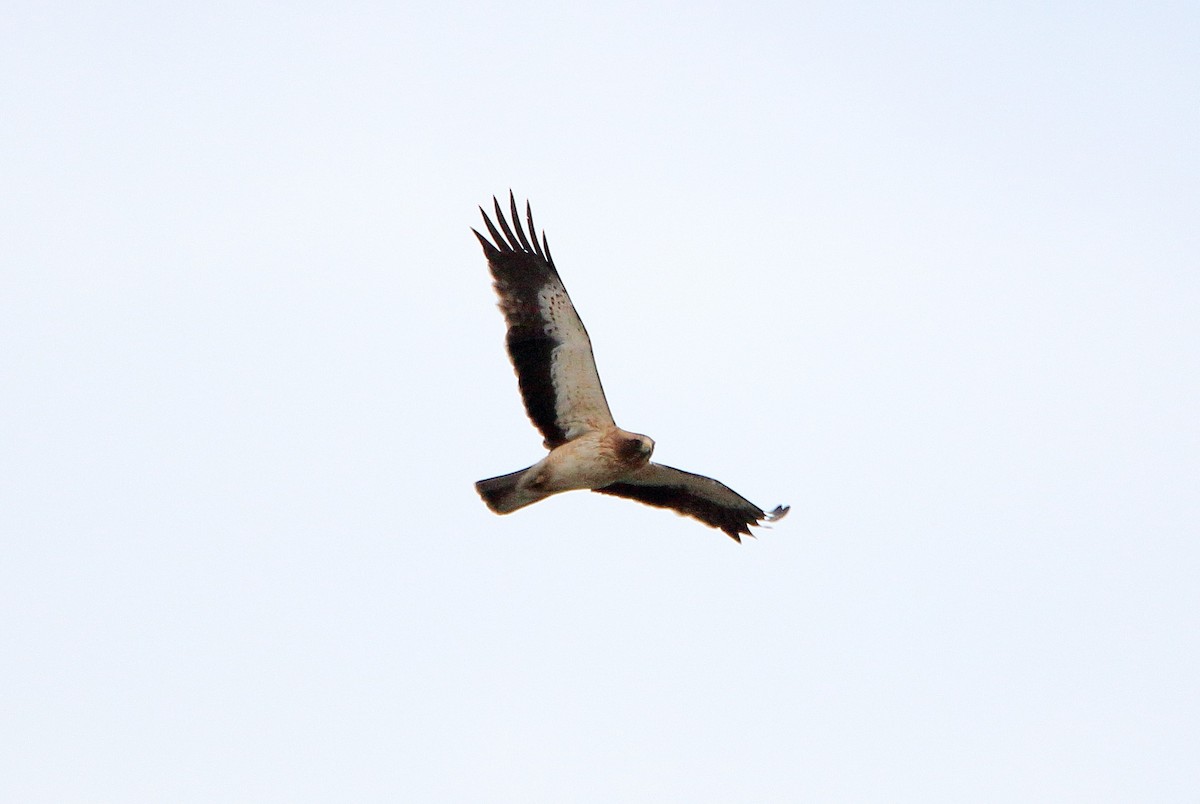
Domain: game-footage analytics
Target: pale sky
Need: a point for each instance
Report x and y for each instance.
(930, 274)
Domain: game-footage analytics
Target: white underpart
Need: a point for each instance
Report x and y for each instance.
(579, 402)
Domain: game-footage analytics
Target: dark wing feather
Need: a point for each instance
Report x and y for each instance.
(547, 342)
(699, 497)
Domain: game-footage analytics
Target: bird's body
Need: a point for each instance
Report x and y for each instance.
(552, 355)
(595, 459)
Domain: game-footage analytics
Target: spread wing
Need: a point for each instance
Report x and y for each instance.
(699, 497)
(549, 348)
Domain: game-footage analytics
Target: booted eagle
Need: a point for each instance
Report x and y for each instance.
(552, 355)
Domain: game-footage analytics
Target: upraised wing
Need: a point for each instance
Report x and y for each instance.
(547, 343)
(699, 497)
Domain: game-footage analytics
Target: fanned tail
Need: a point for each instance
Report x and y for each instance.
(504, 494)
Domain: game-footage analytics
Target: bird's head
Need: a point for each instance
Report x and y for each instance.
(635, 448)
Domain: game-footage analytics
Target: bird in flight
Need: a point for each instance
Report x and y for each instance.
(552, 356)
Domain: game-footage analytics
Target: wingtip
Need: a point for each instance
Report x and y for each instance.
(489, 250)
(779, 512)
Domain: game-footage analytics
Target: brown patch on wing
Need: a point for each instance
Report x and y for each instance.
(699, 497)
